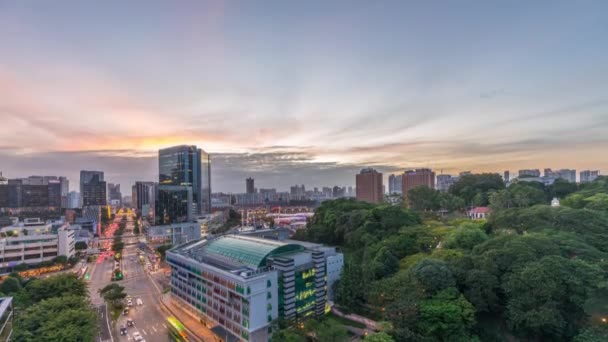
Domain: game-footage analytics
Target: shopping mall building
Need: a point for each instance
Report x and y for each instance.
(239, 285)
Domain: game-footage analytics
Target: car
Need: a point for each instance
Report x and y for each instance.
(130, 323)
(129, 303)
(139, 301)
(125, 312)
(137, 337)
(123, 330)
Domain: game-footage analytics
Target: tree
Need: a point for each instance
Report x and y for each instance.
(113, 294)
(389, 264)
(326, 330)
(449, 202)
(597, 202)
(466, 236)
(10, 285)
(469, 186)
(65, 318)
(286, 335)
(448, 316)
(433, 275)
(61, 259)
(423, 198)
(81, 245)
(379, 337)
(21, 267)
(546, 298)
(55, 286)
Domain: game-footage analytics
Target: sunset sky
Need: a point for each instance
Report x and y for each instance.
(302, 92)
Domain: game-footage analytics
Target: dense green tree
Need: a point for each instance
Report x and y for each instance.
(466, 236)
(546, 298)
(474, 188)
(561, 188)
(432, 275)
(287, 336)
(597, 202)
(113, 294)
(65, 318)
(423, 198)
(449, 202)
(595, 333)
(162, 250)
(326, 330)
(378, 337)
(10, 285)
(388, 262)
(447, 316)
(55, 286)
(350, 292)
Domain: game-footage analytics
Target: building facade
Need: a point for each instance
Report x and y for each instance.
(173, 204)
(369, 186)
(239, 285)
(444, 182)
(174, 234)
(249, 186)
(418, 177)
(35, 248)
(529, 173)
(92, 188)
(143, 196)
(114, 193)
(588, 176)
(6, 318)
(565, 174)
(182, 166)
(395, 182)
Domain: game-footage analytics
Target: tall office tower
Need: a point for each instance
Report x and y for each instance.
(250, 188)
(417, 177)
(54, 194)
(143, 194)
(588, 176)
(173, 204)
(525, 173)
(73, 200)
(93, 188)
(85, 177)
(205, 182)
(297, 192)
(506, 176)
(394, 184)
(444, 182)
(114, 193)
(567, 174)
(65, 189)
(187, 166)
(369, 186)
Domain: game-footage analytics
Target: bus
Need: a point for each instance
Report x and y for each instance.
(177, 332)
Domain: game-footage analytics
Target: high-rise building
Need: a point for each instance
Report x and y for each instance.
(243, 284)
(418, 177)
(92, 188)
(506, 176)
(205, 182)
(297, 192)
(369, 186)
(183, 166)
(395, 183)
(566, 174)
(20, 193)
(73, 200)
(114, 193)
(173, 204)
(444, 182)
(143, 194)
(588, 176)
(250, 187)
(525, 173)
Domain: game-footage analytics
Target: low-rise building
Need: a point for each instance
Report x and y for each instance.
(174, 234)
(479, 213)
(238, 286)
(35, 248)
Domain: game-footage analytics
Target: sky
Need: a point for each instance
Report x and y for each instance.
(304, 92)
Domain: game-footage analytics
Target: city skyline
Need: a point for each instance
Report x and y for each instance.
(337, 89)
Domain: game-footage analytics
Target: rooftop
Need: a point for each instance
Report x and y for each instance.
(236, 252)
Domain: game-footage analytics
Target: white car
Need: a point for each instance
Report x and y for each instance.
(137, 337)
(139, 301)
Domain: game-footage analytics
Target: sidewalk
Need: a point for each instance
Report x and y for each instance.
(194, 327)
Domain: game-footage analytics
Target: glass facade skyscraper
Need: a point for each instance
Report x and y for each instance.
(187, 166)
(173, 204)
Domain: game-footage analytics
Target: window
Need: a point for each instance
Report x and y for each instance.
(268, 283)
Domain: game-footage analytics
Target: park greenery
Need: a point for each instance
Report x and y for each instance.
(531, 272)
(114, 294)
(51, 309)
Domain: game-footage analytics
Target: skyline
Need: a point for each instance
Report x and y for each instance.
(337, 88)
